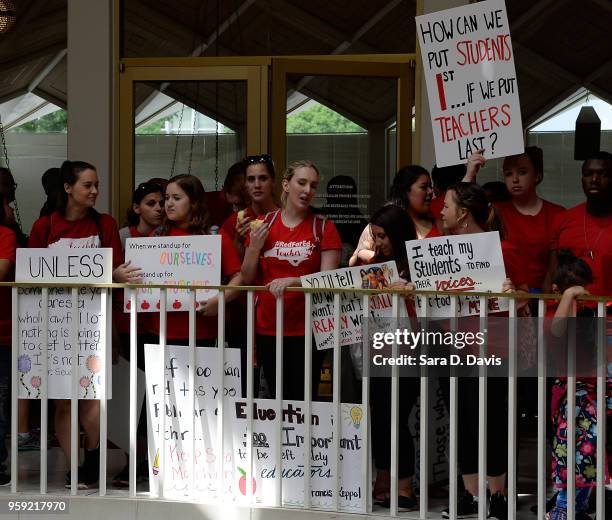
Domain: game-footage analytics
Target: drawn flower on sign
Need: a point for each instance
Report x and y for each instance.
(85, 382)
(94, 365)
(24, 365)
(36, 381)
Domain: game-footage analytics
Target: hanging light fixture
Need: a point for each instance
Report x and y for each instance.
(8, 15)
(587, 135)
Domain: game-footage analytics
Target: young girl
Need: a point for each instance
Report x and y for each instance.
(146, 213)
(292, 242)
(77, 224)
(186, 215)
(571, 275)
(391, 228)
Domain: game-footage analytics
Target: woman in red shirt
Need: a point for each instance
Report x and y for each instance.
(292, 242)
(146, 213)
(77, 224)
(412, 191)
(186, 215)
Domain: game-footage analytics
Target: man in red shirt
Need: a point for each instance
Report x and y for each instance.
(586, 229)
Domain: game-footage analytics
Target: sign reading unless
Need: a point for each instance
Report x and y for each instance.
(375, 276)
(468, 63)
(272, 437)
(461, 263)
(189, 260)
(87, 266)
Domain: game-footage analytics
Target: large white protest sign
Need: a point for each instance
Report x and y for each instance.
(188, 260)
(468, 64)
(270, 439)
(460, 263)
(68, 265)
(375, 276)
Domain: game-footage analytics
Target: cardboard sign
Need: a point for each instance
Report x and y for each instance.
(375, 276)
(461, 263)
(468, 64)
(189, 260)
(173, 470)
(85, 266)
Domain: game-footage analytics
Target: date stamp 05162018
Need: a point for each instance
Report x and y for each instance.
(49, 506)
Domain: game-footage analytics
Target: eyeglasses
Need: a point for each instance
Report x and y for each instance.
(256, 159)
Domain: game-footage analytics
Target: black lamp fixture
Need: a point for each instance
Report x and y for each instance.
(587, 136)
(8, 15)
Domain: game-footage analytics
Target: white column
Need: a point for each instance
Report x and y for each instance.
(90, 89)
(425, 156)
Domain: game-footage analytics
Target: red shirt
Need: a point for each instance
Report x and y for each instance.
(437, 203)
(206, 327)
(531, 234)
(8, 246)
(229, 226)
(218, 207)
(290, 252)
(582, 234)
(433, 232)
(56, 231)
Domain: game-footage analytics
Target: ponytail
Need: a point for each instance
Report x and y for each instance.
(472, 197)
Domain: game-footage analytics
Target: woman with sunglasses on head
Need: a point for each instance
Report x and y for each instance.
(412, 191)
(146, 213)
(259, 184)
(187, 215)
(289, 243)
(77, 224)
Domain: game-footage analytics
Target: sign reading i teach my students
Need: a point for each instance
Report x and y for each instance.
(468, 64)
(72, 266)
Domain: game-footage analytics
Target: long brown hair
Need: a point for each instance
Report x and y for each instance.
(191, 185)
(472, 197)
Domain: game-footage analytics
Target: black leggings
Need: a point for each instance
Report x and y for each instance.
(293, 365)
(380, 391)
(497, 425)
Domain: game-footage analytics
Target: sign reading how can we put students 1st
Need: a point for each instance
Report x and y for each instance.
(460, 263)
(468, 63)
(87, 266)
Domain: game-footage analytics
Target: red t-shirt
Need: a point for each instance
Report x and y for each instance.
(291, 252)
(582, 234)
(433, 232)
(531, 234)
(206, 327)
(8, 246)
(229, 226)
(218, 207)
(437, 203)
(56, 231)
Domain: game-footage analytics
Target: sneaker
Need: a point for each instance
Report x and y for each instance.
(557, 513)
(498, 506)
(28, 441)
(5, 478)
(404, 504)
(467, 507)
(89, 471)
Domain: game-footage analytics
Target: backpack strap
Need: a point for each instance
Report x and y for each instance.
(318, 227)
(271, 216)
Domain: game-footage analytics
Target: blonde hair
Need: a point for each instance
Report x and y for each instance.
(290, 172)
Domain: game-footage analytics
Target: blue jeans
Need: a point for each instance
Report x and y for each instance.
(582, 498)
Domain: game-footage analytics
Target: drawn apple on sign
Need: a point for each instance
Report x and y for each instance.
(197, 305)
(242, 482)
(145, 305)
(177, 304)
(157, 304)
(129, 305)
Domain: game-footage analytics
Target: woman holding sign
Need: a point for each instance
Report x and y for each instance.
(289, 243)
(77, 224)
(467, 211)
(392, 228)
(411, 190)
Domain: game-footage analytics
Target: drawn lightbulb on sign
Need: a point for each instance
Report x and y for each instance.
(356, 415)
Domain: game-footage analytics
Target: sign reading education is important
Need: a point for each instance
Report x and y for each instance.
(189, 260)
(460, 263)
(468, 63)
(87, 266)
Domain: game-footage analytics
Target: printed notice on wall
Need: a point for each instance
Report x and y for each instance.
(460, 263)
(190, 459)
(188, 260)
(468, 64)
(87, 266)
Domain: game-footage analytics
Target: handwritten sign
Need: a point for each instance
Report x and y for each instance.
(468, 63)
(375, 276)
(461, 263)
(72, 266)
(267, 435)
(189, 260)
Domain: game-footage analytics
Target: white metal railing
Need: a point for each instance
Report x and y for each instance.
(366, 465)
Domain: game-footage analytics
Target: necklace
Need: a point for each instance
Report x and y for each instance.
(586, 242)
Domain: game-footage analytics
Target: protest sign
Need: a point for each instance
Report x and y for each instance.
(269, 438)
(459, 263)
(188, 260)
(68, 265)
(375, 276)
(468, 64)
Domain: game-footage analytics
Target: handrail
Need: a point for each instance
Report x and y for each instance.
(517, 295)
